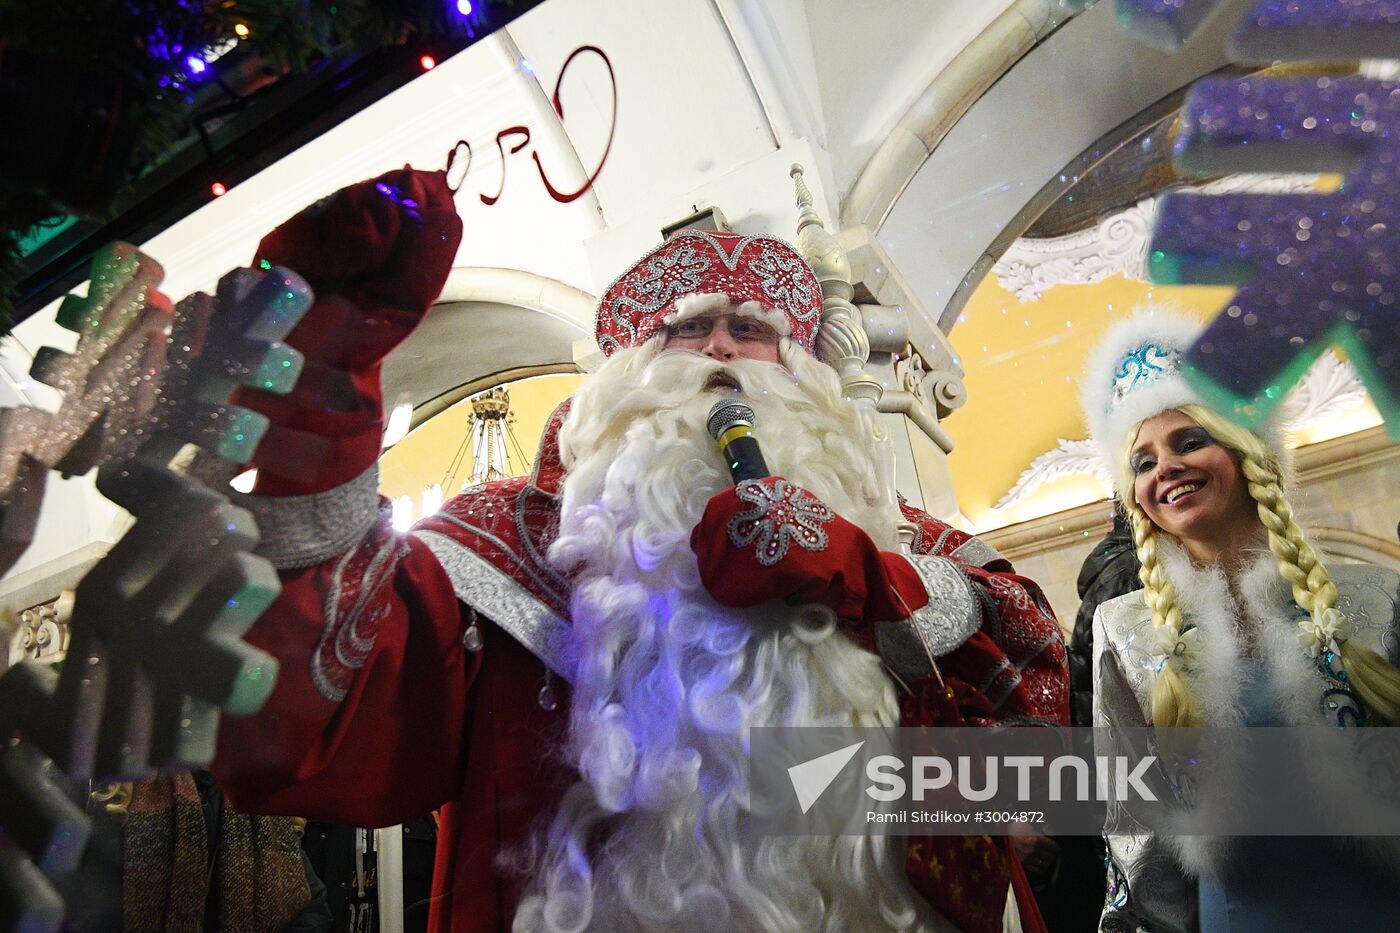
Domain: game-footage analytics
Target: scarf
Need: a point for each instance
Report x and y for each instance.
(250, 879)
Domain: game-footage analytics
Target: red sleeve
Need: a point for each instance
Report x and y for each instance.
(1011, 670)
(368, 722)
(1014, 668)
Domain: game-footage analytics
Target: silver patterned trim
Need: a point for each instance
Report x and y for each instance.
(781, 280)
(976, 552)
(782, 513)
(496, 596)
(302, 531)
(951, 617)
(559, 589)
(349, 635)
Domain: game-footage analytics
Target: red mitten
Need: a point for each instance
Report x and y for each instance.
(377, 254)
(769, 539)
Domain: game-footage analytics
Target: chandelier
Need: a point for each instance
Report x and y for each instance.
(496, 453)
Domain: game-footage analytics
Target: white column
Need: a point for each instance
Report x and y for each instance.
(388, 844)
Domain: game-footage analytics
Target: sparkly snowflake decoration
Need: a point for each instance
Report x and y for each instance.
(155, 649)
(1313, 269)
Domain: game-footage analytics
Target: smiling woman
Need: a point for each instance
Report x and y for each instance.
(1190, 486)
(1238, 624)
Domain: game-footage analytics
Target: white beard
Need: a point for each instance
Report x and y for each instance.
(668, 683)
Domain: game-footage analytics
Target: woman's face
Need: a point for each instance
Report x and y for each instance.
(1188, 483)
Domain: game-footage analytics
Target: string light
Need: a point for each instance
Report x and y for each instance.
(240, 30)
(428, 62)
(218, 189)
(195, 64)
(464, 7)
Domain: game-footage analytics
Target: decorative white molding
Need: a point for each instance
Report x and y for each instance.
(1068, 458)
(923, 396)
(1356, 546)
(942, 391)
(1050, 533)
(1330, 387)
(772, 67)
(41, 631)
(521, 289)
(1116, 245)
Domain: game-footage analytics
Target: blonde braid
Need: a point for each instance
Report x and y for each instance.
(1377, 681)
(1158, 592)
(1172, 701)
(1297, 563)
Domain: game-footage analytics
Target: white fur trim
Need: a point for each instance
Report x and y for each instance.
(1109, 420)
(702, 304)
(1329, 764)
(1203, 595)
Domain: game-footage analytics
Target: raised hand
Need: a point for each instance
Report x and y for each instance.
(377, 254)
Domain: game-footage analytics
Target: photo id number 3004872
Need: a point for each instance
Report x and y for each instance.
(1008, 816)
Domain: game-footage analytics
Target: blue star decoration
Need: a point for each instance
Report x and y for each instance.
(1313, 269)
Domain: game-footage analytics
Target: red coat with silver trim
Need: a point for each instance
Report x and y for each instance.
(415, 668)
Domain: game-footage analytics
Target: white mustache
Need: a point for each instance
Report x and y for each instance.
(678, 375)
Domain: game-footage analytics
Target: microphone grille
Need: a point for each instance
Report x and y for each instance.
(727, 413)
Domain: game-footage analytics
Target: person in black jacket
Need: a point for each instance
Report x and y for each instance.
(1110, 570)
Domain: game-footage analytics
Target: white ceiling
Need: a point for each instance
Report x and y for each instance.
(714, 99)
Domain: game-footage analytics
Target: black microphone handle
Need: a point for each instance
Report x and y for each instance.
(745, 459)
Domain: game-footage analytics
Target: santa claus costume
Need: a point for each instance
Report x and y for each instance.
(567, 663)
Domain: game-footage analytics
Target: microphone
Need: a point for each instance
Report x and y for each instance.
(731, 424)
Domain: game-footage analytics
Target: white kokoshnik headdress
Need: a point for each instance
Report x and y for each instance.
(1134, 373)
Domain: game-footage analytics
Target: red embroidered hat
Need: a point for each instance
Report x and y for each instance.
(759, 269)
